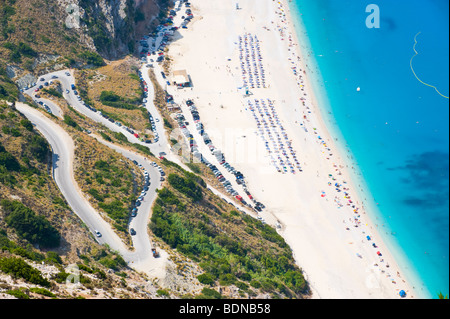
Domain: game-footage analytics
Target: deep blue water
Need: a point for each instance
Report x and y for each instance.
(396, 128)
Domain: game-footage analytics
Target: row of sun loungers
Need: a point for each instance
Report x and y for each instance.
(274, 136)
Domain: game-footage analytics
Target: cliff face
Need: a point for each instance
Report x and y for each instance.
(110, 25)
(67, 27)
(39, 36)
(147, 14)
(114, 25)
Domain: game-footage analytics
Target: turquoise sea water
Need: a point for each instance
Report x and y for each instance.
(395, 128)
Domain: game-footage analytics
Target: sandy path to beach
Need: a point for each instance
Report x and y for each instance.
(323, 223)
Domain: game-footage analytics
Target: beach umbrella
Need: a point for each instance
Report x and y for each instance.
(402, 293)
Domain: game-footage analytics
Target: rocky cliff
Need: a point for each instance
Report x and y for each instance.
(114, 25)
(39, 36)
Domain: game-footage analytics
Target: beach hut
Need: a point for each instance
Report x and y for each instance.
(181, 79)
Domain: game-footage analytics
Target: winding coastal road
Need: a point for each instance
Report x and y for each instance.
(141, 242)
(66, 78)
(63, 155)
(141, 257)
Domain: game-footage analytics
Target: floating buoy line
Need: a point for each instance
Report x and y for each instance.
(411, 64)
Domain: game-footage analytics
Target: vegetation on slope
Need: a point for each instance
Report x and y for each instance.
(231, 248)
(111, 181)
(8, 89)
(29, 28)
(116, 91)
(34, 218)
(18, 268)
(36, 229)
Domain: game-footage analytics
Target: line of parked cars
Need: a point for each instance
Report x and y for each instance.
(153, 125)
(145, 188)
(46, 107)
(196, 153)
(219, 156)
(150, 117)
(161, 171)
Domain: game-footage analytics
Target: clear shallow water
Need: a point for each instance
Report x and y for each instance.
(396, 127)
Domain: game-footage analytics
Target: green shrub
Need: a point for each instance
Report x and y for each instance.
(38, 148)
(211, 294)
(194, 167)
(115, 262)
(69, 121)
(255, 284)
(53, 258)
(105, 137)
(35, 229)
(167, 123)
(206, 279)
(85, 268)
(143, 149)
(53, 92)
(162, 292)
(119, 136)
(26, 253)
(6, 177)
(27, 124)
(227, 279)
(26, 50)
(115, 210)
(96, 194)
(60, 277)
(19, 294)
(108, 96)
(18, 268)
(186, 186)
(242, 286)
(8, 161)
(42, 291)
(92, 58)
(102, 165)
(111, 99)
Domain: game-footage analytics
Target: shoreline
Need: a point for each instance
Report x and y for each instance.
(355, 175)
(344, 155)
(311, 223)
